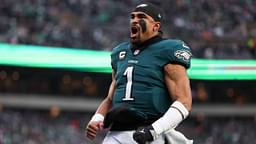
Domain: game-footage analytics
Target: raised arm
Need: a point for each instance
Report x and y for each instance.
(106, 104)
(178, 84)
(96, 122)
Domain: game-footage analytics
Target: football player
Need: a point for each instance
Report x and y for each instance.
(150, 91)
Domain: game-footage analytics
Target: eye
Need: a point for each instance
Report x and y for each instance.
(132, 16)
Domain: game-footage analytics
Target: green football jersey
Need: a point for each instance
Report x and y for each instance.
(140, 74)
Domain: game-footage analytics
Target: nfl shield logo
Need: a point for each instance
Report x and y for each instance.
(136, 52)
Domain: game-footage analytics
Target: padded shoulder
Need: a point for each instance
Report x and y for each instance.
(116, 51)
(177, 52)
(120, 47)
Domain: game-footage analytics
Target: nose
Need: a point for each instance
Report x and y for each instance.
(136, 18)
(134, 21)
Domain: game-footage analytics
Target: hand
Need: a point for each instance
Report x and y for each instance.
(92, 128)
(143, 135)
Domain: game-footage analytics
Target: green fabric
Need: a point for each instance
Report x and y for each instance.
(148, 89)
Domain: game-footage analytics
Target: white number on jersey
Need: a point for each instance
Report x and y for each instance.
(128, 73)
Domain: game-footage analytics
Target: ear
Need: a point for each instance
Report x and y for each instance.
(156, 27)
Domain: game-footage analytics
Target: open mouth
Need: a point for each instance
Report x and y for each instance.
(134, 31)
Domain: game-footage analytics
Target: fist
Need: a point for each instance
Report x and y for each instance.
(143, 135)
(92, 129)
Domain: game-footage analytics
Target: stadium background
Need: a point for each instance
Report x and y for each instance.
(51, 104)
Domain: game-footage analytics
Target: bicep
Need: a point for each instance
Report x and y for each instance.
(178, 84)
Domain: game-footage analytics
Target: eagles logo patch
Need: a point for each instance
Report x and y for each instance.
(183, 54)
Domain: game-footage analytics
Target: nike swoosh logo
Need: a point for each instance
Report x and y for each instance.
(142, 131)
(185, 46)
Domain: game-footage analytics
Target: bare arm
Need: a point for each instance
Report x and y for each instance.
(178, 84)
(106, 104)
(96, 123)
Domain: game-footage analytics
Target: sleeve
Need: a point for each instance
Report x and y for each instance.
(113, 61)
(114, 57)
(180, 54)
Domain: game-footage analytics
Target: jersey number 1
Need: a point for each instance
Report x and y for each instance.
(128, 73)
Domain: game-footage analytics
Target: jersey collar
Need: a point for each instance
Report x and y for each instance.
(145, 44)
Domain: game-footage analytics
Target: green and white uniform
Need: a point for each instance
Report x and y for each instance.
(140, 74)
(140, 87)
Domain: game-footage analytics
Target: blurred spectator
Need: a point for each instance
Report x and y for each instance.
(201, 93)
(251, 43)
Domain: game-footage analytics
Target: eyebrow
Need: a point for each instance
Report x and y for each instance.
(139, 15)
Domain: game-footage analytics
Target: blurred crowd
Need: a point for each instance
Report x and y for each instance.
(220, 130)
(39, 127)
(213, 29)
(43, 127)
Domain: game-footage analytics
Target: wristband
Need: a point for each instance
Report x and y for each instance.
(181, 108)
(174, 115)
(97, 117)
